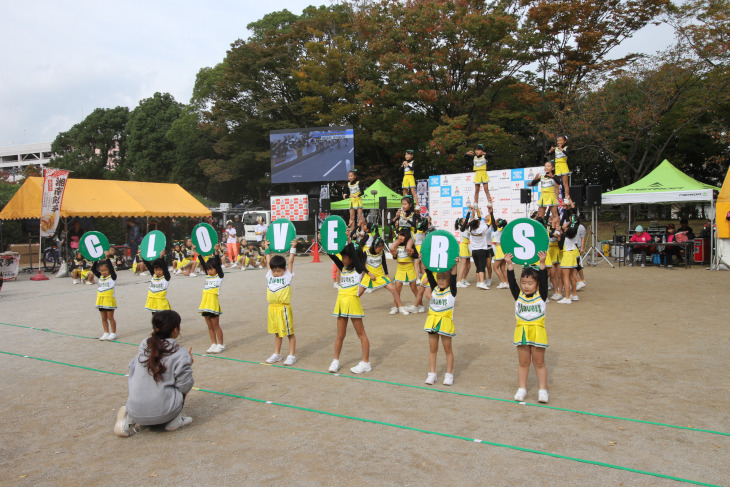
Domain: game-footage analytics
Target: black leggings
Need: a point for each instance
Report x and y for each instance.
(480, 259)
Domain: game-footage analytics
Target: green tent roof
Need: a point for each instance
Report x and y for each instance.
(369, 200)
(665, 184)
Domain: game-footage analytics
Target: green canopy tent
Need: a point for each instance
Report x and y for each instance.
(370, 200)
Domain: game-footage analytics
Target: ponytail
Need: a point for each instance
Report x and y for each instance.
(163, 324)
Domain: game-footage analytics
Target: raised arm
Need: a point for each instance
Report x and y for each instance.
(95, 270)
(513, 287)
(337, 261)
(292, 255)
(452, 281)
(466, 221)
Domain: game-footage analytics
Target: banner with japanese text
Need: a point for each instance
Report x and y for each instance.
(54, 184)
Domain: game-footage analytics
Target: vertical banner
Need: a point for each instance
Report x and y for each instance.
(422, 194)
(54, 184)
(324, 193)
(9, 265)
(292, 207)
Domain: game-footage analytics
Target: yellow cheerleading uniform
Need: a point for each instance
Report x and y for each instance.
(571, 253)
(157, 294)
(409, 180)
(355, 195)
(209, 303)
(374, 265)
(278, 294)
(497, 244)
(464, 251)
(105, 293)
(406, 272)
(418, 239)
(554, 253)
(424, 280)
(530, 314)
(440, 317)
(547, 192)
(480, 170)
(348, 302)
(561, 161)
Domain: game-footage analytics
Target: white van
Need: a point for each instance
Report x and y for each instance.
(250, 220)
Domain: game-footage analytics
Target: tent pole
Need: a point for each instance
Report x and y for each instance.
(713, 250)
(628, 231)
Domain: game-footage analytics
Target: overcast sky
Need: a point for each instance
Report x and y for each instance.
(62, 59)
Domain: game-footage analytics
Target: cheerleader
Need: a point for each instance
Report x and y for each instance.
(177, 257)
(478, 157)
(80, 272)
(278, 294)
(209, 306)
(462, 225)
(354, 192)
(480, 236)
(409, 180)
(376, 277)
(555, 254)
(138, 266)
(348, 307)
(549, 183)
(530, 337)
(498, 265)
(560, 151)
(187, 265)
(569, 260)
(422, 228)
(157, 292)
(406, 216)
(105, 300)
(440, 322)
(402, 249)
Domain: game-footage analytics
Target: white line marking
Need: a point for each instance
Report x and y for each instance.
(333, 168)
(351, 150)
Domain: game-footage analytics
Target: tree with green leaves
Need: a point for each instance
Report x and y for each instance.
(94, 148)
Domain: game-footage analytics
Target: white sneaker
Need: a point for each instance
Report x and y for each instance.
(169, 268)
(192, 274)
(180, 421)
(521, 394)
(112, 336)
(550, 285)
(219, 348)
(76, 281)
(467, 283)
(273, 359)
(411, 309)
(403, 311)
(105, 336)
(394, 310)
(88, 283)
(482, 285)
(145, 273)
(448, 379)
(290, 360)
(542, 396)
(124, 426)
(421, 309)
(335, 285)
(212, 349)
(556, 297)
(361, 367)
(334, 366)
(580, 285)
(458, 284)
(565, 301)
(643, 265)
(431, 379)
(488, 282)
(574, 298)
(503, 285)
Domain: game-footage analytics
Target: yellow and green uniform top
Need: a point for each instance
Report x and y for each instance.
(561, 154)
(374, 263)
(403, 257)
(354, 189)
(349, 282)
(530, 310)
(547, 184)
(408, 168)
(278, 288)
(480, 163)
(442, 302)
(106, 286)
(158, 287)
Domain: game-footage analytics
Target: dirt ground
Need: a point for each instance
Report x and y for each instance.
(647, 344)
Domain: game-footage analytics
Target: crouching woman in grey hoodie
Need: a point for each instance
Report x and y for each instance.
(159, 378)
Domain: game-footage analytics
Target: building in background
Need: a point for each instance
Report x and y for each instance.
(15, 158)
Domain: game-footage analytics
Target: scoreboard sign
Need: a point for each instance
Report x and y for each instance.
(293, 207)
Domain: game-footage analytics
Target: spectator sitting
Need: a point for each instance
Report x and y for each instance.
(640, 237)
(686, 229)
(670, 252)
(706, 231)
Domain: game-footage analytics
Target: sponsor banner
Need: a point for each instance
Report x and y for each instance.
(9, 265)
(292, 207)
(54, 184)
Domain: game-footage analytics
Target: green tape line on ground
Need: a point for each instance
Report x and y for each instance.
(401, 426)
(411, 386)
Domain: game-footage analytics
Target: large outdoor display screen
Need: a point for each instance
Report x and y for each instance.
(312, 154)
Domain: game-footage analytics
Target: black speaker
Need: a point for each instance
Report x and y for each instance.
(593, 195)
(325, 205)
(383, 203)
(526, 196)
(577, 195)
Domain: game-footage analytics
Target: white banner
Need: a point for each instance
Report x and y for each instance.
(9, 265)
(451, 195)
(292, 207)
(54, 184)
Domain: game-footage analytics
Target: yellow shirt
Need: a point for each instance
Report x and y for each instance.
(278, 290)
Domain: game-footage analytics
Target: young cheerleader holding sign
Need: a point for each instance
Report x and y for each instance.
(440, 322)
(530, 337)
(210, 307)
(160, 376)
(348, 307)
(105, 300)
(157, 292)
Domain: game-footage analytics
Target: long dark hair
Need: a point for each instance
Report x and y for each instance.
(163, 324)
